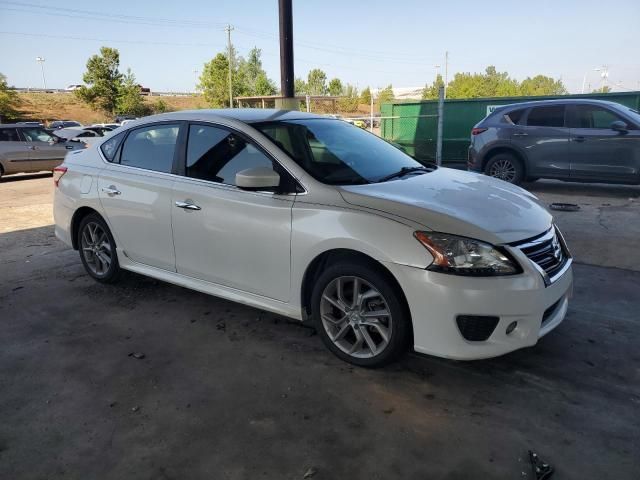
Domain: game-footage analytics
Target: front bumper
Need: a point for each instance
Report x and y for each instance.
(436, 300)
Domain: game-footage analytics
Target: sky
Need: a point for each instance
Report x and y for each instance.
(365, 43)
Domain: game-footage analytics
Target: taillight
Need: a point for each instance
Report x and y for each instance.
(477, 131)
(58, 172)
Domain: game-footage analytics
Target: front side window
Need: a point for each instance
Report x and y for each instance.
(592, 116)
(36, 135)
(336, 153)
(551, 116)
(151, 148)
(9, 135)
(216, 154)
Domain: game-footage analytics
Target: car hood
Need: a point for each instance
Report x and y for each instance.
(457, 202)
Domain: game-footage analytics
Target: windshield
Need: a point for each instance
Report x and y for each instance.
(337, 153)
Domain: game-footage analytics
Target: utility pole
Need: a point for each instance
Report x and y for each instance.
(40, 60)
(288, 102)
(440, 124)
(228, 29)
(446, 72)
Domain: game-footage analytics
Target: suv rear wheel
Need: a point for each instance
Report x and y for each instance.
(505, 166)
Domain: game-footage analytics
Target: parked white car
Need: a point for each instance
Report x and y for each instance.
(318, 220)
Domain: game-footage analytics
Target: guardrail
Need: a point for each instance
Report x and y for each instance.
(64, 90)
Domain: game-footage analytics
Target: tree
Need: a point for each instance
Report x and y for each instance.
(300, 86)
(251, 78)
(365, 96)
(604, 89)
(214, 81)
(316, 82)
(542, 85)
(129, 100)
(351, 99)
(9, 101)
(103, 79)
(386, 95)
(431, 92)
(335, 87)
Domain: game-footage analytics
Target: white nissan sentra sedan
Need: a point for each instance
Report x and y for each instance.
(318, 220)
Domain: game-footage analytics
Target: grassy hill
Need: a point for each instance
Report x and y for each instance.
(46, 107)
(65, 106)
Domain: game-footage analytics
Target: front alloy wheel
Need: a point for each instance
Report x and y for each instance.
(360, 313)
(356, 317)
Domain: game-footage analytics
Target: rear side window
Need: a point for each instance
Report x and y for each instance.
(551, 116)
(9, 135)
(36, 135)
(216, 154)
(151, 148)
(515, 117)
(110, 147)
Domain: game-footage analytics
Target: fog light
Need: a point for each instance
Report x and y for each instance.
(512, 326)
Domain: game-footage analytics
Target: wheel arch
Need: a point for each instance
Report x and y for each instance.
(78, 215)
(504, 149)
(329, 257)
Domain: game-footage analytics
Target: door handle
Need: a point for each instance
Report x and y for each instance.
(187, 206)
(579, 139)
(31, 147)
(111, 190)
(520, 134)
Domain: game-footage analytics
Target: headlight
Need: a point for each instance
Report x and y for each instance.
(465, 256)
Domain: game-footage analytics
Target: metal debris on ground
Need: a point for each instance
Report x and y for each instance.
(541, 469)
(138, 355)
(565, 207)
(311, 472)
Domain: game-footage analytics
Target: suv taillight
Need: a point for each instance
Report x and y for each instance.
(476, 131)
(58, 172)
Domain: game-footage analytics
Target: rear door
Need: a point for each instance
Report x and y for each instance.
(135, 191)
(599, 153)
(14, 152)
(544, 139)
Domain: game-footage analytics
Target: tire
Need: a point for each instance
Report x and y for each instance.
(366, 341)
(97, 249)
(505, 166)
(1, 172)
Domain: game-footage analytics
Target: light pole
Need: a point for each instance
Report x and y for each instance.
(40, 60)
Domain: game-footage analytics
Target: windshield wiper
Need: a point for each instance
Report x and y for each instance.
(404, 171)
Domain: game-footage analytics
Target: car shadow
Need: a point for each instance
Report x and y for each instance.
(586, 189)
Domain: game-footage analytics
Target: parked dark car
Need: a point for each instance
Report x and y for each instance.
(571, 140)
(57, 124)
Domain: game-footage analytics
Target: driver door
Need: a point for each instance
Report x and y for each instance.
(228, 236)
(599, 153)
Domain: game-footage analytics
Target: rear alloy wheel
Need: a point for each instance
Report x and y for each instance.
(98, 249)
(505, 167)
(359, 315)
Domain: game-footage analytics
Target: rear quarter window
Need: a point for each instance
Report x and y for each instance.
(110, 147)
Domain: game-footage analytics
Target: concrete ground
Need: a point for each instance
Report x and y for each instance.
(229, 392)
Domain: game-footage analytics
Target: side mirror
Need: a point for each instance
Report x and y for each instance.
(619, 126)
(257, 178)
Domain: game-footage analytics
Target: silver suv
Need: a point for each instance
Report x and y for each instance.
(571, 140)
(25, 149)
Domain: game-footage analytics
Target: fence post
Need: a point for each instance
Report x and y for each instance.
(439, 137)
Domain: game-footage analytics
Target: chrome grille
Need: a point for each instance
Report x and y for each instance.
(545, 250)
